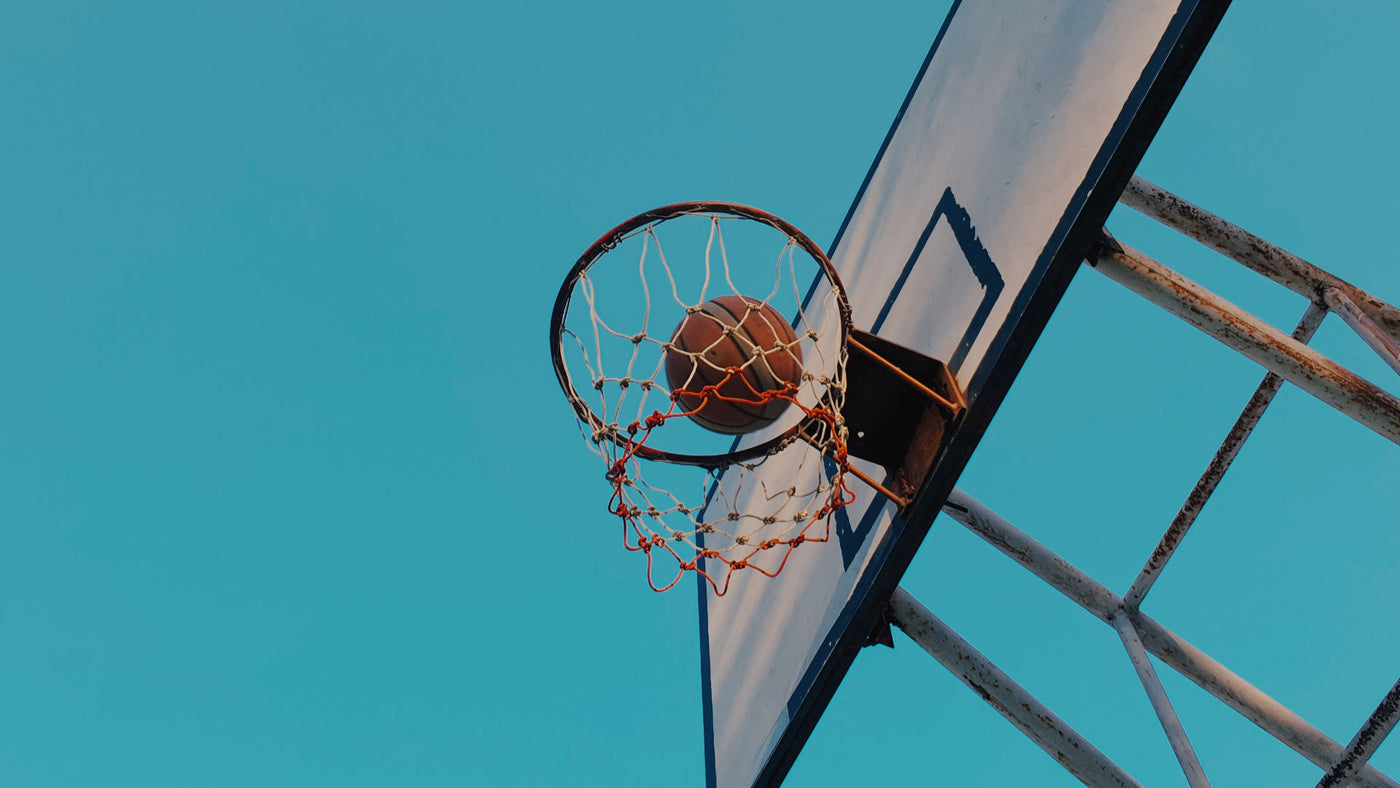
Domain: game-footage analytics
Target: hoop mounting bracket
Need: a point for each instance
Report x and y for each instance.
(901, 410)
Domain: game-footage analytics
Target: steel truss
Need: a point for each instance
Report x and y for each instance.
(1288, 358)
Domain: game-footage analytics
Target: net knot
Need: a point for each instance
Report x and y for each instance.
(638, 337)
(617, 471)
(656, 419)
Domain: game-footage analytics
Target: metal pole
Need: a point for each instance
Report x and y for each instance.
(1287, 269)
(1219, 464)
(1157, 695)
(1293, 361)
(1388, 349)
(1186, 659)
(1018, 706)
(1366, 741)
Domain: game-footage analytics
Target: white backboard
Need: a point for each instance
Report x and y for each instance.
(1023, 125)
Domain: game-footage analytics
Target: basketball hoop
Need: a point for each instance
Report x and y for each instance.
(764, 351)
(623, 352)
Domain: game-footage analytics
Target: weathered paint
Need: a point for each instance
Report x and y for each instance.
(1366, 741)
(1295, 362)
(1245, 247)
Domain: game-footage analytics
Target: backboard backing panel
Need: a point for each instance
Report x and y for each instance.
(1013, 144)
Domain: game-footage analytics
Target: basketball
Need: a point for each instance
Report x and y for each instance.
(732, 333)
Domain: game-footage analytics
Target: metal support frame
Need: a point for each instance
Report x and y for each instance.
(1374, 320)
(1287, 358)
(1270, 715)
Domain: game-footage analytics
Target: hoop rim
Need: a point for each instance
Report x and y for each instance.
(608, 242)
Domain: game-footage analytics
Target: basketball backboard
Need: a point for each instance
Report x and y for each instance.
(1020, 131)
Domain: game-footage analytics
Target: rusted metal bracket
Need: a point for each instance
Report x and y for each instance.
(901, 409)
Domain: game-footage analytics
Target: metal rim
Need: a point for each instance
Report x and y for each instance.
(656, 216)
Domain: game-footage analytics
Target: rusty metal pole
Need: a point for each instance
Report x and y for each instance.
(1293, 361)
(1256, 706)
(1244, 247)
(1386, 347)
(1161, 704)
(999, 690)
(1366, 741)
(1215, 471)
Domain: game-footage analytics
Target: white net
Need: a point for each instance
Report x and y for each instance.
(695, 499)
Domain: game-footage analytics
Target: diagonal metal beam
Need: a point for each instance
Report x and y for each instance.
(1385, 346)
(1219, 464)
(1157, 695)
(1366, 741)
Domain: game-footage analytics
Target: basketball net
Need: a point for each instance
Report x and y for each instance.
(711, 512)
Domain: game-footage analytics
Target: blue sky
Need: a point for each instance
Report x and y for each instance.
(288, 494)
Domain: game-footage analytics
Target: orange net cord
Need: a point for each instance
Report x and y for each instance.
(638, 538)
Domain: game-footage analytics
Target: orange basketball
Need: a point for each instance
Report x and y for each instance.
(733, 333)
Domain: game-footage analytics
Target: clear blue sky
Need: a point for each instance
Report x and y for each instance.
(288, 495)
